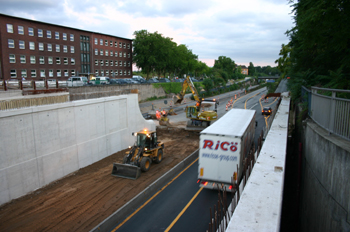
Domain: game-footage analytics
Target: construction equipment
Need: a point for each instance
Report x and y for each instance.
(202, 113)
(164, 120)
(140, 156)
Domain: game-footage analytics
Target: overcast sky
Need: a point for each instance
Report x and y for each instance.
(244, 30)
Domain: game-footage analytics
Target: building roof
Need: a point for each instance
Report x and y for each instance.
(30, 20)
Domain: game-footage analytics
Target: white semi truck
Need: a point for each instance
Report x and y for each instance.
(222, 147)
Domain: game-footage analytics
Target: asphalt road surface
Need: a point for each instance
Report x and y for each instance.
(182, 205)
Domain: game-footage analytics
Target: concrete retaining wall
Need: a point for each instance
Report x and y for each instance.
(41, 144)
(87, 92)
(325, 193)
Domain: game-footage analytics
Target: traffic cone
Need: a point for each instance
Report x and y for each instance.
(184, 100)
(235, 96)
(226, 107)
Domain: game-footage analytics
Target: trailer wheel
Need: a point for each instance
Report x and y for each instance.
(145, 164)
(159, 157)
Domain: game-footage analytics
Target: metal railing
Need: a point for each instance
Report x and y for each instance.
(329, 111)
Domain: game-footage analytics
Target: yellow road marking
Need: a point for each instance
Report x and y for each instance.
(144, 204)
(183, 210)
(245, 104)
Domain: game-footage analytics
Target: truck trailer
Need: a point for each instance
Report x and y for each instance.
(222, 148)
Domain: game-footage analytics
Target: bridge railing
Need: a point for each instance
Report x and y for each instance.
(329, 111)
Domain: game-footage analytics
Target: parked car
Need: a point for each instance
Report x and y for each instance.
(266, 111)
(163, 80)
(77, 81)
(117, 81)
(152, 81)
(100, 80)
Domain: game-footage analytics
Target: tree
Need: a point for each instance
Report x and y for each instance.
(251, 69)
(284, 63)
(208, 84)
(227, 65)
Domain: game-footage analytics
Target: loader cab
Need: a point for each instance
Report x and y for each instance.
(149, 139)
(191, 112)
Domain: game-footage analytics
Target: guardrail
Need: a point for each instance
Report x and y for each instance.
(329, 111)
(19, 84)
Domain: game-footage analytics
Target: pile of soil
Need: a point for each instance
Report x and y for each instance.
(82, 200)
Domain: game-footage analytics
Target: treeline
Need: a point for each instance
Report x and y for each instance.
(159, 55)
(318, 53)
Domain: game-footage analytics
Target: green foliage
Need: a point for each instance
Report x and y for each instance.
(208, 84)
(251, 69)
(169, 87)
(317, 54)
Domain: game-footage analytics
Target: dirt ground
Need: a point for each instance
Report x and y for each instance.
(85, 198)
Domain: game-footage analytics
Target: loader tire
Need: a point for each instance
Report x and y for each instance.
(159, 157)
(125, 159)
(145, 164)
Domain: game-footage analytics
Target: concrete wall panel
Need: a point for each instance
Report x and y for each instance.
(41, 144)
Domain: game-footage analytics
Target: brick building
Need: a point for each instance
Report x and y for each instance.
(37, 51)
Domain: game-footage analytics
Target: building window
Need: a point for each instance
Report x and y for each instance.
(129, 72)
(71, 49)
(128, 46)
(124, 63)
(12, 58)
(128, 54)
(57, 35)
(101, 52)
(24, 73)
(30, 31)
(120, 72)
(124, 54)
(33, 73)
(31, 45)
(107, 72)
(50, 73)
(106, 53)
(72, 61)
(111, 62)
(128, 63)
(102, 73)
(96, 62)
(124, 72)
(96, 52)
(120, 54)
(116, 44)
(96, 72)
(41, 46)
(106, 62)
(42, 73)
(116, 72)
(65, 60)
(21, 31)
(58, 48)
(11, 43)
(23, 59)
(65, 73)
(111, 43)
(116, 63)
(65, 48)
(101, 41)
(49, 47)
(124, 45)
(120, 63)
(40, 33)
(58, 73)
(41, 60)
(32, 60)
(120, 44)
(50, 60)
(111, 53)
(116, 54)
(48, 34)
(71, 37)
(9, 28)
(58, 60)
(106, 42)
(72, 72)
(64, 36)
(101, 62)
(22, 44)
(96, 41)
(13, 73)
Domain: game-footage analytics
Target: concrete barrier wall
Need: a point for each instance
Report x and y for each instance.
(39, 145)
(87, 92)
(325, 198)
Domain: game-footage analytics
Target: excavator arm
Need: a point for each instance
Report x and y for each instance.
(187, 84)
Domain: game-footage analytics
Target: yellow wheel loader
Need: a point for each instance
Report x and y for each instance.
(140, 156)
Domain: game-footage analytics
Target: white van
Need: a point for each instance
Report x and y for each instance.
(77, 81)
(100, 81)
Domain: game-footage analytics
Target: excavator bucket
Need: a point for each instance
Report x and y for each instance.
(178, 99)
(126, 171)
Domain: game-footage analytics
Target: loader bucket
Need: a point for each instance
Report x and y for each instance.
(126, 171)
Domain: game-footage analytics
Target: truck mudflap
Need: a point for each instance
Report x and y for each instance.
(216, 185)
(128, 171)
